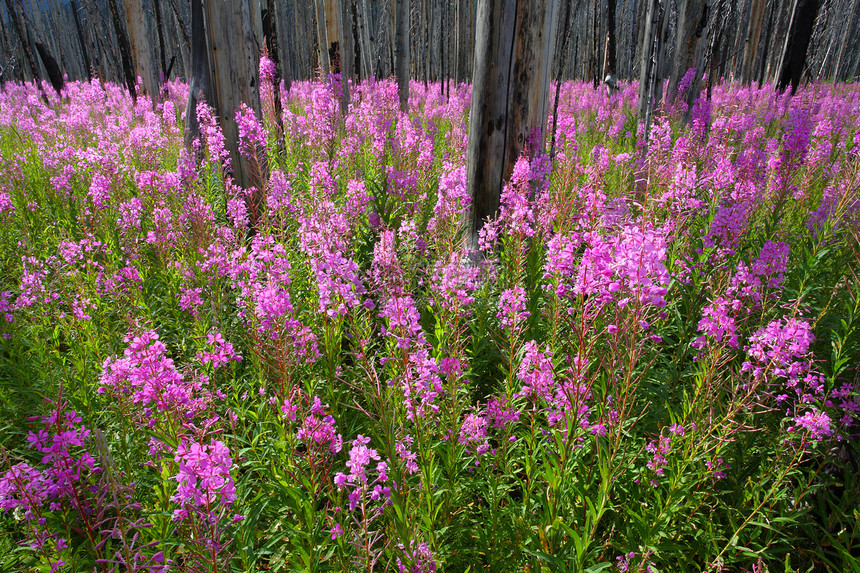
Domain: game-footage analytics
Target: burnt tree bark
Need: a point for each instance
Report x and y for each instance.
(200, 89)
(689, 40)
(322, 39)
(753, 38)
(124, 50)
(610, 62)
(25, 45)
(55, 76)
(346, 54)
(514, 40)
(401, 51)
(79, 30)
(649, 69)
(796, 43)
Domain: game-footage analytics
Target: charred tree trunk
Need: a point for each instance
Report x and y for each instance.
(346, 54)
(79, 30)
(510, 90)
(649, 68)
(610, 59)
(752, 39)
(565, 37)
(846, 34)
(159, 27)
(401, 34)
(124, 50)
(796, 43)
(55, 76)
(139, 37)
(25, 45)
(322, 40)
(200, 89)
(690, 38)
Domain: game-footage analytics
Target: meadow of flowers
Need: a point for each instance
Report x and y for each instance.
(651, 364)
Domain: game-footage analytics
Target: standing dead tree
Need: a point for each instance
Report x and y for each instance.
(401, 51)
(796, 43)
(510, 92)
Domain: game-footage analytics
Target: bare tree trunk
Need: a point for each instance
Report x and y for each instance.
(200, 89)
(234, 34)
(159, 26)
(649, 71)
(849, 25)
(752, 39)
(462, 26)
(55, 76)
(138, 26)
(25, 45)
(401, 34)
(322, 40)
(565, 37)
(510, 90)
(181, 22)
(124, 49)
(796, 43)
(692, 21)
(610, 59)
(346, 54)
(81, 39)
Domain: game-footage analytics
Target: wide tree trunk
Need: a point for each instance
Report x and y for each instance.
(124, 49)
(514, 40)
(689, 40)
(797, 42)
(140, 36)
(235, 37)
(752, 39)
(83, 42)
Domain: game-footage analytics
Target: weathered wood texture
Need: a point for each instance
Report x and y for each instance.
(510, 90)
(401, 53)
(796, 43)
(235, 40)
(747, 42)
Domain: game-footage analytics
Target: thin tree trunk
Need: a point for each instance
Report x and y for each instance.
(159, 26)
(565, 37)
(611, 62)
(346, 54)
(322, 40)
(401, 34)
(200, 89)
(649, 69)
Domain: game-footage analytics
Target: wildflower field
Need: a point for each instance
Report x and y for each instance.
(651, 364)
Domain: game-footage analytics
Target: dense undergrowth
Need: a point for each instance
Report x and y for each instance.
(651, 366)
